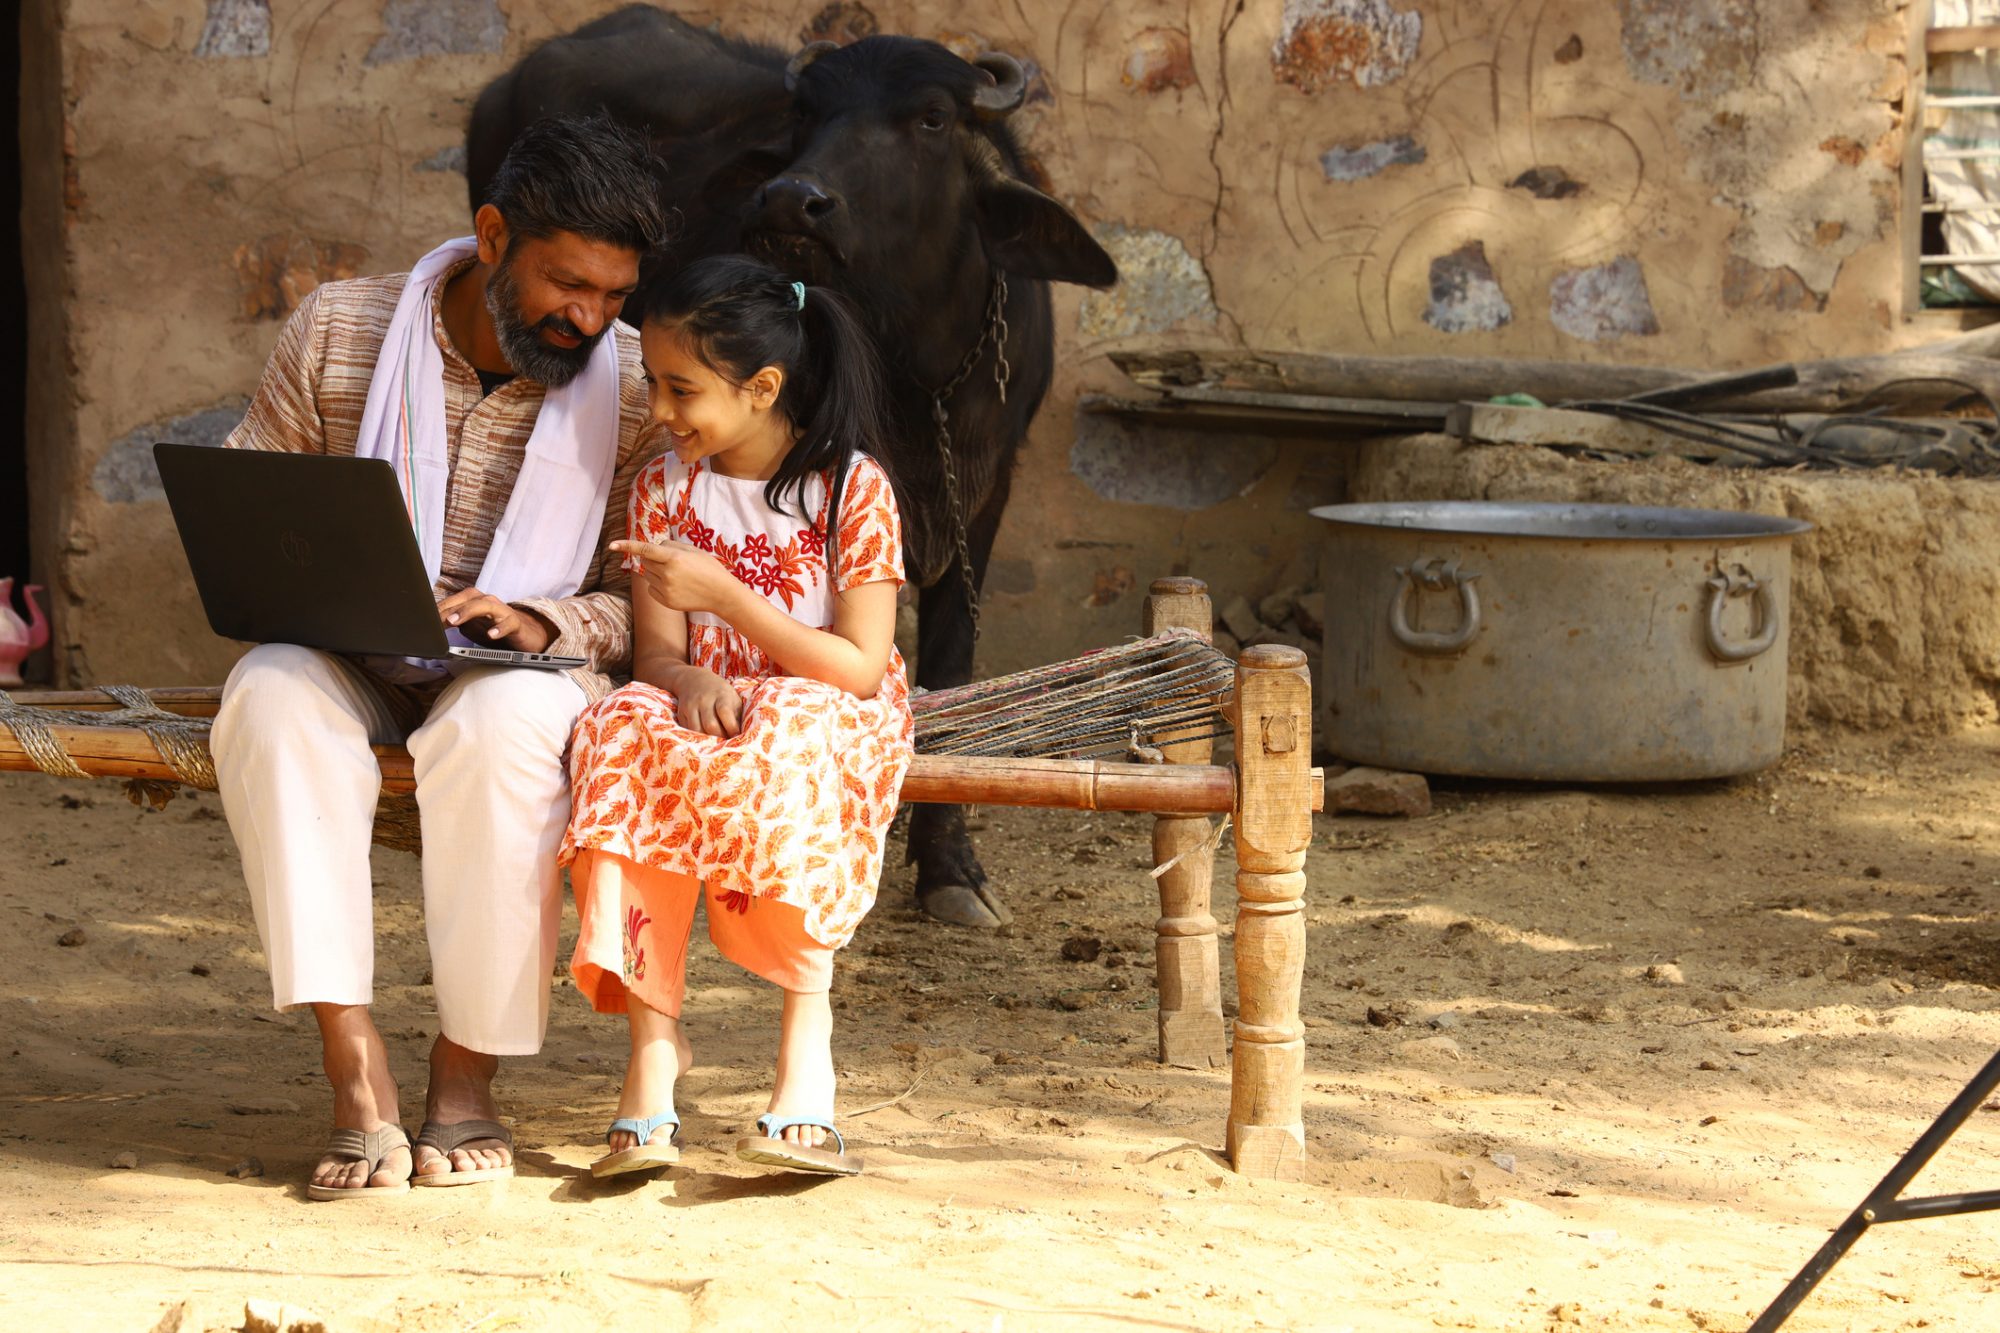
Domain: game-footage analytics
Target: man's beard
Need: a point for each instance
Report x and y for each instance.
(521, 342)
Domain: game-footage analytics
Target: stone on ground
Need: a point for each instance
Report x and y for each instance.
(1378, 791)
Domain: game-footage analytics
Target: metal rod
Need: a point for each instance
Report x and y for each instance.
(1882, 1197)
(1938, 1205)
(1960, 261)
(1971, 99)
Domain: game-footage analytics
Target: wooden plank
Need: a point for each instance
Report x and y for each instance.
(188, 701)
(1912, 381)
(1313, 416)
(1070, 784)
(1967, 37)
(1438, 379)
(1554, 427)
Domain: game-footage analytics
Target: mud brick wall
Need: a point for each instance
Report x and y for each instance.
(1694, 182)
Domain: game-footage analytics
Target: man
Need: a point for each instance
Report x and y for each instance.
(495, 379)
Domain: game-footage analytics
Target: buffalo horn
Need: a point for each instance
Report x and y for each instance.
(1010, 85)
(808, 53)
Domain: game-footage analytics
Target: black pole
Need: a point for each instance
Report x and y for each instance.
(1880, 1199)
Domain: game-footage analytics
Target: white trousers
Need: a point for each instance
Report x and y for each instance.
(299, 784)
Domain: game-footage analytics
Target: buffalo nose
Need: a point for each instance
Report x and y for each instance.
(795, 200)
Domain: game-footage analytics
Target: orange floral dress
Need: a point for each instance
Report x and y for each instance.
(796, 806)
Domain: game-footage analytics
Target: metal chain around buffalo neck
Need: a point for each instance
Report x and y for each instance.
(994, 334)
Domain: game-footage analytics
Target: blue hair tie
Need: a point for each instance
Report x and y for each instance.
(799, 290)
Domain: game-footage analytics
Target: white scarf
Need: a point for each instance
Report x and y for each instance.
(548, 535)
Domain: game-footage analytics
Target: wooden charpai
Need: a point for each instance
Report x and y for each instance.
(1269, 795)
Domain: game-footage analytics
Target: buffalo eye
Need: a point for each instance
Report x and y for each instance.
(935, 119)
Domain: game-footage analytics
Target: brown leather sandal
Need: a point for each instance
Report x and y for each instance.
(370, 1147)
(443, 1139)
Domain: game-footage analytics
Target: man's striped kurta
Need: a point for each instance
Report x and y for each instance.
(311, 399)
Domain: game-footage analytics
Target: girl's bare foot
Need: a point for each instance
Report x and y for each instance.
(660, 1055)
(805, 1066)
(364, 1095)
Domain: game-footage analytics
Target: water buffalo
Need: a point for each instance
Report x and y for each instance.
(884, 169)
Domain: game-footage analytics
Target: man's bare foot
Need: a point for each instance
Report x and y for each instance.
(461, 1089)
(805, 1066)
(660, 1055)
(364, 1095)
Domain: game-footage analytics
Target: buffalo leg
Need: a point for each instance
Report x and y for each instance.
(951, 884)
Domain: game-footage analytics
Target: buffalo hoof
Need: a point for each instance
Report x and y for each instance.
(963, 905)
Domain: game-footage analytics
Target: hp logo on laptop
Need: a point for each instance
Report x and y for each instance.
(295, 548)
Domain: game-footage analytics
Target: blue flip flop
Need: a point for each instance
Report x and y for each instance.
(766, 1149)
(646, 1156)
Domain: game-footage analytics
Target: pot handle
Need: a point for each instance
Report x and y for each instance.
(1740, 582)
(1434, 575)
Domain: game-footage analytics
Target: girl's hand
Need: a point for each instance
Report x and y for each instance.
(681, 577)
(705, 702)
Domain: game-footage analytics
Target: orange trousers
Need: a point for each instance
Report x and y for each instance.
(636, 924)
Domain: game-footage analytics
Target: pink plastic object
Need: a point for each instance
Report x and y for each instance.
(17, 639)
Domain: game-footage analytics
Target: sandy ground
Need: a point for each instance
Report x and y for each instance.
(1682, 1032)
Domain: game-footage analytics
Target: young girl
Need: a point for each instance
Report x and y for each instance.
(758, 753)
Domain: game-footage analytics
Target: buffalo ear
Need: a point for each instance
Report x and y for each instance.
(1027, 233)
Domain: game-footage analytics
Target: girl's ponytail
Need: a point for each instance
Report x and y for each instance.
(844, 412)
(741, 315)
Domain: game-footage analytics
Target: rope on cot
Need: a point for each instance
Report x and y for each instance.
(1163, 690)
(181, 742)
(1208, 847)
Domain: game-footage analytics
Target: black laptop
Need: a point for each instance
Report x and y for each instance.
(305, 549)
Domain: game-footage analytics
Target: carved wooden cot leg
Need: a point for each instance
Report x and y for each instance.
(1273, 830)
(1189, 978)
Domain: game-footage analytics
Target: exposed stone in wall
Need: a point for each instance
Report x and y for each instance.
(448, 158)
(1108, 583)
(1465, 296)
(412, 29)
(1322, 42)
(236, 28)
(1159, 465)
(1749, 286)
(1159, 286)
(1699, 47)
(275, 272)
(842, 21)
(1353, 162)
(1603, 302)
(1547, 182)
(1159, 60)
(125, 474)
(1780, 129)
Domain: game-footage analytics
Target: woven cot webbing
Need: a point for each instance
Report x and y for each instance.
(1166, 689)
(181, 742)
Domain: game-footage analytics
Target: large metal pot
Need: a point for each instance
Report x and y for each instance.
(1599, 643)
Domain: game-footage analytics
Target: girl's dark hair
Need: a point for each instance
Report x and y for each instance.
(739, 315)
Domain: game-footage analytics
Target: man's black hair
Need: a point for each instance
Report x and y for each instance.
(582, 174)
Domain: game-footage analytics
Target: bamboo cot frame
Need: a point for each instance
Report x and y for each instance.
(1269, 796)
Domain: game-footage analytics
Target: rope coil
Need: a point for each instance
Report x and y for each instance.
(181, 742)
